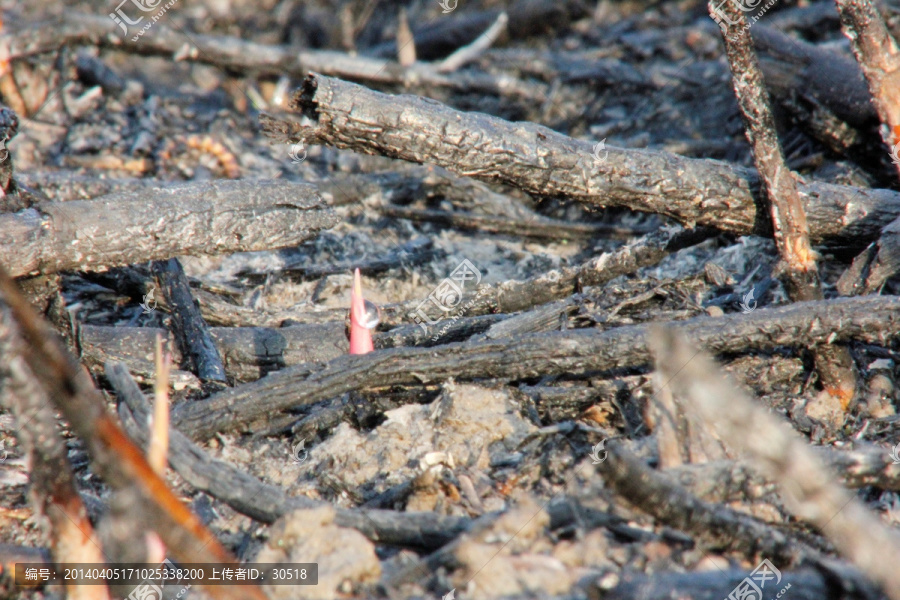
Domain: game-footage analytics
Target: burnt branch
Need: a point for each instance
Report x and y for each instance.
(718, 527)
(801, 324)
(545, 163)
(789, 223)
(173, 219)
(191, 331)
(730, 480)
(248, 352)
(874, 265)
(878, 55)
(541, 228)
(235, 54)
(53, 483)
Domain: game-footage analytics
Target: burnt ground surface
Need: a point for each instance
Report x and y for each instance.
(637, 75)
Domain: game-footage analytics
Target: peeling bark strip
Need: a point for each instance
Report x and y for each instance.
(168, 220)
(540, 161)
(872, 318)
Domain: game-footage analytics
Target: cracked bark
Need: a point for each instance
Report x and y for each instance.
(170, 220)
(546, 163)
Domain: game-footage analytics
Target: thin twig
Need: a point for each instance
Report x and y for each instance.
(801, 276)
(158, 447)
(878, 55)
(473, 50)
(191, 331)
(718, 527)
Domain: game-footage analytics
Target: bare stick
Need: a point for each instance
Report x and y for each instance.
(116, 458)
(801, 276)
(573, 352)
(173, 219)
(543, 162)
(728, 480)
(720, 528)
(824, 77)
(877, 53)
(190, 329)
(236, 54)
(470, 52)
(541, 228)
(406, 44)
(52, 480)
(808, 486)
(158, 447)
(874, 265)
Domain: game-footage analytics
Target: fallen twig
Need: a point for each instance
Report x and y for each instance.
(251, 352)
(236, 54)
(398, 186)
(191, 331)
(718, 527)
(542, 228)
(789, 223)
(730, 480)
(878, 55)
(800, 324)
(158, 448)
(818, 75)
(471, 51)
(874, 265)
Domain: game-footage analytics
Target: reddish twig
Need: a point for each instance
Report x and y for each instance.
(116, 458)
(878, 55)
(52, 480)
(800, 273)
